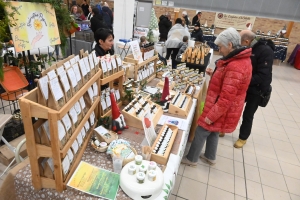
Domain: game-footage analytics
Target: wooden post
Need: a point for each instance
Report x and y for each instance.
(289, 29)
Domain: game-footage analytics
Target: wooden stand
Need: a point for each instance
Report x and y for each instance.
(174, 109)
(30, 109)
(138, 65)
(163, 159)
(110, 79)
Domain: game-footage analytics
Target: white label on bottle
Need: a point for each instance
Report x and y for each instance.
(103, 104)
(67, 122)
(70, 155)
(75, 146)
(82, 67)
(72, 77)
(87, 126)
(87, 64)
(56, 89)
(119, 61)
(96, 60)
(67, 65)
(95, 89)
(51, 74)
(79, 139)
(50, 163)
(113, 62)
(77, 72)
(92, 64)
(46, 128)
(43, 86)
(77, 58)
(108, 102)
(117, 94)
(73, 115)
(91, 93)
(72, 61)
(103, 65)
(66, 165)
(82, 132)
(61, 130)
(82, 103)
(60, 70)
(77, 108)
(65, 82)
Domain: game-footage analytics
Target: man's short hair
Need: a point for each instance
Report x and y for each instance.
(185, 38)
(248, 36)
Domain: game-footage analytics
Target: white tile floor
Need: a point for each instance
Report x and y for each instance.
(268, 167)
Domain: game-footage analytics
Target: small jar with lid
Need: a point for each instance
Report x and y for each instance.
(132, 169)
(138, 159)
(152, 165)
(140, 177)
(143, 169)
(152, 175)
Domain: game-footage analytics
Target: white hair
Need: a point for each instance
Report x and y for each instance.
(230, 35)
(184, 12)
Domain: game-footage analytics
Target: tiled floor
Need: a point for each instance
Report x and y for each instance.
(268, 167)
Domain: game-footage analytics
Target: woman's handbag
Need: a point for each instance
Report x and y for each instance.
(265, 97)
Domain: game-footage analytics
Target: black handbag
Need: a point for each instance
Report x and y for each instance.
(265, 97)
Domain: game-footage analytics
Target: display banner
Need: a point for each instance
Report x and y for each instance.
(36, 25)
(239, 22)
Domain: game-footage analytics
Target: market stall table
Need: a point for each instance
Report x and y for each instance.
(17, 184)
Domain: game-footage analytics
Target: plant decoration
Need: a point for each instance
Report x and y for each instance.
(156, 97)
(128, 97)
(152, 26)
(105, 122)
(143, 84)
(167, 191)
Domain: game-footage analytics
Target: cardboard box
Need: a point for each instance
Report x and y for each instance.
(6, 155)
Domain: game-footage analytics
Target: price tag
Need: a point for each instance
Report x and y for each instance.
(64, 81)
(72, 61)
(75, 146)
(77, 58)
(70, 155)
(113, 62)
(87, 64)
(82, 132)
(60, 70)
(91, 93)
(95, 89)
(79, 139)
(96, 59)
(103, 65)
(77, 72)
(72, 77)
(77, 108)
(92, 120)
(82, 67)
(43, 86)
(51, 74)
(103, 104)
(73, 115)
(82, 103)
(87, 126)
(117, 94)
(56, 89)
(92, 64)
(108, 64)
(61, 130)
(108, 102)
(67, 65)
(67, 122)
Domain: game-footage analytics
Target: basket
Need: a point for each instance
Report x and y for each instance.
(99, 149)
(14, 80)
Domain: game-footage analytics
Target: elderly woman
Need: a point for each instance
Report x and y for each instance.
(225, 97)
(175, 35)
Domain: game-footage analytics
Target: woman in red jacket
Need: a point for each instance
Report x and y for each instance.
(225, 97)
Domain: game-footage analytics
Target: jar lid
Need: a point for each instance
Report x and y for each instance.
(152, 173)
(152, 164)
(132, 168)
(143, 168)
(140, 176)
(103, 144)
(138, 158)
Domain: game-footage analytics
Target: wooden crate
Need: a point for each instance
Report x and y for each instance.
(184, 112)
(163, 159)
(31, 109)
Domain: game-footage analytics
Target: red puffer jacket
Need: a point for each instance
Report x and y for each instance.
(227, 91)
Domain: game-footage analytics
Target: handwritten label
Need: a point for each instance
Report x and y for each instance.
(61, 130)
(72, 77)
(43, 86)
(67, 122)
(56, 89)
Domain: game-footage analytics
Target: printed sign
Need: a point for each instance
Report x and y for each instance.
(138, 32)
(239, 22)
(36, 25)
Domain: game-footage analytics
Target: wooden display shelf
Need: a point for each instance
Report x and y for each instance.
(111, 77)
(173, 109)
(163, 159)
(134, 121)
(138, 65)
(30, 109)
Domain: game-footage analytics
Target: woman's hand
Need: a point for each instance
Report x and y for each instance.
(209, 71)
(207, 121)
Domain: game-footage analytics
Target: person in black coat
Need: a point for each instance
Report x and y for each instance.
(186, 18)
(104, 42)
(85, 8)
(164, 26)
(107, 15)
(97, 20)
(197, 33)
(262, 62)
(196, 19)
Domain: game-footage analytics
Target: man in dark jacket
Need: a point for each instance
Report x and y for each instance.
(262, 62)
(186, 18)
(85, 8)
(107, 15)
(196, 19)
(197, 33)
(97, 20)
(164, 26)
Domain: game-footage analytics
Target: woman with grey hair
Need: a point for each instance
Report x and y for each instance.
(225, 97)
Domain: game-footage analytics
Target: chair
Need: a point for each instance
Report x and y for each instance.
(124, 47)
